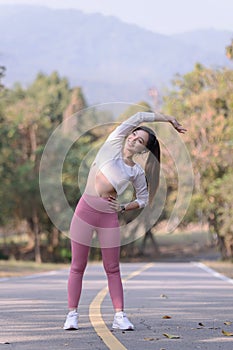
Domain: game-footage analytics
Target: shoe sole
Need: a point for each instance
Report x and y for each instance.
(123, 329)
(71, 328)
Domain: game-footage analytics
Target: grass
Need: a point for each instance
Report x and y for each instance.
(12, 268)
(183, 238)
(22, 268)
(175, 244)
(223, 267)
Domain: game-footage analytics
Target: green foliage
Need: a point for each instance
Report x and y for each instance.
(203, 101)
(2, 74)
(229, 51)
(28, 118)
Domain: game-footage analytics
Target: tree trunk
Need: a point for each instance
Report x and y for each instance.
(55, 237)
(149, 236)
(36, 231)
(228, 243)
(53, 240)
(35, 220)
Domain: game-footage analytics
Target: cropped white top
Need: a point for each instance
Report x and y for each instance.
(110, 162)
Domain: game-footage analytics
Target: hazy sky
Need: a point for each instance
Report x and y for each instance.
(163, 16)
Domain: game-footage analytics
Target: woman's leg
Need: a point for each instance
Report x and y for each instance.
(109, 238)
(110, 258)
(78, 265)
(81, 235)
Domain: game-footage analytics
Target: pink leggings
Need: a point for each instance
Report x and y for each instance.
(93, 213)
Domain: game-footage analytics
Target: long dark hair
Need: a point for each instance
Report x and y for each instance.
(152, 167)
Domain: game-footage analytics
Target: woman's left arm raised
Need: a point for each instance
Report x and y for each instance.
(160, 117)
(141, 117)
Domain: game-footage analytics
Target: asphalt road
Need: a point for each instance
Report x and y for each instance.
(198, 302)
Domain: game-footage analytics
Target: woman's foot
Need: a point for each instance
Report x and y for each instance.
(121, 322)
(71, 322)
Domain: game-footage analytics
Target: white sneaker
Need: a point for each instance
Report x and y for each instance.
(71, 322)
(121, 322)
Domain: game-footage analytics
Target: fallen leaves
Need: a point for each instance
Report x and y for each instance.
(150, 339)
(171, 336)
(226, 323)
(227, 334)
(166, 317)
(201, 325)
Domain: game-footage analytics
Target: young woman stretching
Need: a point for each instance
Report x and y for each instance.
(109, 176)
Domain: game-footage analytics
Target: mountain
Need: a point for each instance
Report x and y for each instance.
(111, 60)
(211, 39)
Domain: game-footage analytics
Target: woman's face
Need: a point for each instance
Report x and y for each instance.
(136, 141)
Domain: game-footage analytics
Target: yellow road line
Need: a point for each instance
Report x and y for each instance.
(96, 318)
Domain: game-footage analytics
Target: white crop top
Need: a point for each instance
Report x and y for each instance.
(110, 162)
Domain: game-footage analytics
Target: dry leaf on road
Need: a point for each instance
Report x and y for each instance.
(171, 336)
(201, 324)
(227, 334)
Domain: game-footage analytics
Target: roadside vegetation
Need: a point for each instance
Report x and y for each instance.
(202, 100)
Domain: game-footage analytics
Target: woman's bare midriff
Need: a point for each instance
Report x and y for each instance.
(98, 185)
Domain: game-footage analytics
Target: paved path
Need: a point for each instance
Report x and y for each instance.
(32, 310)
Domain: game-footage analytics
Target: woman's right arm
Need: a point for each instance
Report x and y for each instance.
(130, 124)
(141, 117)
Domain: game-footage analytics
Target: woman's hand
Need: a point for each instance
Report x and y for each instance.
(177, 125)
(114, 204)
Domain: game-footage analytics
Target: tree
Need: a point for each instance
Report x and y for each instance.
(29, 117)
(203, 100)
(2, 74)
(229, 50)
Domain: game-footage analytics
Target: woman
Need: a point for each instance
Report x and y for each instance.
(109, 176)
